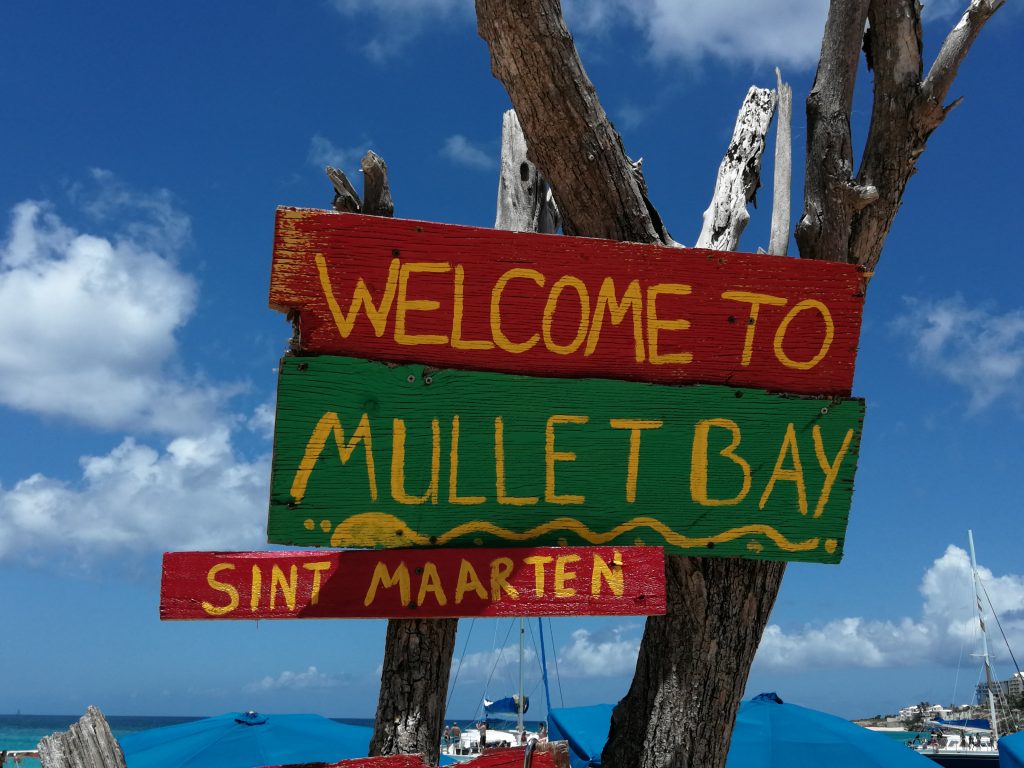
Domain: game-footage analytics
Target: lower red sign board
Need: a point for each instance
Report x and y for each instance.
(405, 583)
(544, 755)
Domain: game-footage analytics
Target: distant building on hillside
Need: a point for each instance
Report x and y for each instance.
(933, 712)
(1003, 690)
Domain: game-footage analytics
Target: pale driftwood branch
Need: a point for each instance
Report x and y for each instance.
(346, 199)
(739, 174)
(824, 229)
(86, 744)
(525, 201)
(906, 109)
(954, 49)
(570, 137)
(376, 192)
(778, 242)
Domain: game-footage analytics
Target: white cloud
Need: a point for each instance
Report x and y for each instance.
(402, 21)
(294, 681)
(498, 663)
(973, 347)
(945, 629)
(461, 151)
(322, 151)
(787, 33)
(194, 494)
(88, 322)
(605, 654)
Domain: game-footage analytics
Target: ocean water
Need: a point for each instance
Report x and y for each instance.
(25, 731)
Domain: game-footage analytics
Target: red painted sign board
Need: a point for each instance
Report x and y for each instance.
(545, 755)
(541, 581)
(545, 305)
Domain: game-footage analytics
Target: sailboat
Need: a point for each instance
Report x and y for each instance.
(472, 741)
(968, 744)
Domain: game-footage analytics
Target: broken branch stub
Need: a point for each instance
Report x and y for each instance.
(739, 174)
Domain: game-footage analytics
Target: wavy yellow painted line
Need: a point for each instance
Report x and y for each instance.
(377, 529)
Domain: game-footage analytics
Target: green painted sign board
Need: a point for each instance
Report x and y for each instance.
(371, 455)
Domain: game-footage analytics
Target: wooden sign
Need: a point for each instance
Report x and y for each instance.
(402, 584)
(545, 305)
(367, 455)
(553, 754)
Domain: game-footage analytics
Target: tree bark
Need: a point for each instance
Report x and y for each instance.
(568, 132)
(782, 185)
(417, 652)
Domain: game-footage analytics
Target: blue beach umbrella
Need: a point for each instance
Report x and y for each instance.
(1011, 751)
(768, 734)
(246, 740)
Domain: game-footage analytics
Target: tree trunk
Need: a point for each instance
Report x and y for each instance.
(86, 744)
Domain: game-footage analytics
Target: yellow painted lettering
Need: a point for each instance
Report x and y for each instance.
(566, 281)
(635, 426)
(431, 584)
(699, 463)
(632, 301)
(317, 568)
(361, 299)
(501, 569)
(382, 577)
(287, 586)
(398, 492)
(831, 469)
(755, 300)
(499, 469)
(457, 311)
(538, 562)
(826, 343)
(330, 425)
(453, 476)
(794, 475)
(220, 586)
(655, 324)
(562, 575)
(551, 456)
(499, 336)
(469, 582)
(257, 588)
(406, 305)
(610, 574)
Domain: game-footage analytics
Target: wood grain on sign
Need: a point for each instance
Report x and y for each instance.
(544, 305)
(408, 583)
(366, 455)
(547, 755)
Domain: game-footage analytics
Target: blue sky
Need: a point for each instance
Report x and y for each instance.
(147, 146)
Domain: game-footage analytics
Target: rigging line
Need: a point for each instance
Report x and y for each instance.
(554, 653)
(1000, 625)
(451, 688)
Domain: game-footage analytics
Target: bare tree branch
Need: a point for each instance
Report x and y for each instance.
(906, 109)
(376, 191)
(346, 199)
(823, 231)
(569, 134)
(782, 185)
(739, 174)
(954, 50)
(525, 202)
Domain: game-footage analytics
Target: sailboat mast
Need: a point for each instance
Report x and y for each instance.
(984, 638)
(519, 704)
